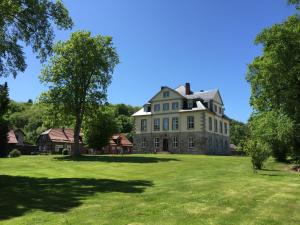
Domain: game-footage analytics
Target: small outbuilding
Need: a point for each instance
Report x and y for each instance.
(118, 144)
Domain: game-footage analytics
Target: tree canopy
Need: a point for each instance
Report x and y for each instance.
(28, 22)
(78, 75)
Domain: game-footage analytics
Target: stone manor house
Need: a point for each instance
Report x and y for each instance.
(182, 121)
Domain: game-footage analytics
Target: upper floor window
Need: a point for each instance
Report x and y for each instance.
(166, 124)
(143, 125)
(191, 142)
(175, 105)
(156, 124)
(225, 127)
(175, 142)
(190, 122)
(166, 106)
(166, 94)
(221, 127)
(210, 123)
(156, 107)
(215, 108)
(175, 123)
(220, 110)
(216, 125)
(190, 104)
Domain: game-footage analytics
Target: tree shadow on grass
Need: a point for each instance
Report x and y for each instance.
(119, 159)
(20, 194)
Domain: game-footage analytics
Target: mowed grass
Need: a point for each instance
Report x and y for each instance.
(146, 189)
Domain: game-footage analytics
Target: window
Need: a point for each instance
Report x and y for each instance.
(175, 123)
(165, 123)
(58, 148)
(166, 106)
(220, 110)
(175, 142)
(221, 127)
(156, 124)
(144, 143)
(216, 125)
(215, 108)
(210, 123)
(225, 127)
(156, 107)
(210, 143)
(143, 125)
(166, 94)
(191, 142)
(175, 105)
(156, 142)
(190, 122)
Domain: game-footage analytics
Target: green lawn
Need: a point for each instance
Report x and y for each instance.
(146, 189)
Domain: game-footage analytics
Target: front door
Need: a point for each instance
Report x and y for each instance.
(165, 145)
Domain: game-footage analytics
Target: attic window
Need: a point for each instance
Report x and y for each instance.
(166, 94)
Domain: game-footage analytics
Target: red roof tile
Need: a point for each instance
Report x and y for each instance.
(61, 134)
(12, 137)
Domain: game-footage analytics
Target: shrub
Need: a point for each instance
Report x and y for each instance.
(65, 152)
(15, 153)
(258, 151)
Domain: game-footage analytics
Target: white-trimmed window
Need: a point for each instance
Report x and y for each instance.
(166, 94)
(175, 142)
(210, 123)
(210, 143)
(175, 123)
(165, 106)
(156, 142)
(143, 125)
(190, 122)
(215, 108)
(191, 142)
(225, 127)
(175, 105)
(190, 104)
(156, 107)
(165, 123)
(144, 143)
(216, 125)
(156, 124)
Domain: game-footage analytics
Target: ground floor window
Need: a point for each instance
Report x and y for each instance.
(144, 143)
(191, 142)
(175, 142)
(210, 143)
(59, 148)
(156, 142)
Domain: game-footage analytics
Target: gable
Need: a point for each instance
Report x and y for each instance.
(218, 98)
(160, 95)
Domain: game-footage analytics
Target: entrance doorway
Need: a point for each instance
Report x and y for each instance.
(165, 145)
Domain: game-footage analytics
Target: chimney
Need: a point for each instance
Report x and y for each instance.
(187, 88)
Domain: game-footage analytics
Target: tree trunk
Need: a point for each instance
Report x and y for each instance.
(76, 149)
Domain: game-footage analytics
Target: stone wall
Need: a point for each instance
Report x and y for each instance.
(204, 143)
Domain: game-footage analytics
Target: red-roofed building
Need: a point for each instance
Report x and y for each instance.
(118, 143)
(55, 140)
(16, 137)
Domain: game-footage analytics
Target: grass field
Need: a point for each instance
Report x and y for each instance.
(146, 189)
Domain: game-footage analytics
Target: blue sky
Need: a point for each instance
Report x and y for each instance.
(170, 42)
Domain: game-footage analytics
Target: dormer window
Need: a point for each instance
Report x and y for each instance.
(190, 104)
(166, 94)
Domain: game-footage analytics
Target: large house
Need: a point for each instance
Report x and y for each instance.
(182, 121)
(55, 140)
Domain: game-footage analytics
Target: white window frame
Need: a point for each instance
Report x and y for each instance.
(175, 142)
(166, 106)
(190, 122)
(221, 127)
(225, 128)
(191, 143)
(175, 123)
(156, 142)
(144, 143)
(216, 126)
(143, 125)
(156, 108)
(175, 105)
(166, 94)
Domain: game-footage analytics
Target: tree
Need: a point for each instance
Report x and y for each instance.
(238, 132)
(275, 77)
(78, 76)
(28, 22)
(99, 128)
(4, 103)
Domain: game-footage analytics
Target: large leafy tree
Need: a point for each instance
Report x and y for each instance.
(28, 22)
(238, 132)
(4, 103)
(275, 78)
(78, 76)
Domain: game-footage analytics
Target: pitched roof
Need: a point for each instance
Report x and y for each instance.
(12, 139)
(123, 140)
(60, 134)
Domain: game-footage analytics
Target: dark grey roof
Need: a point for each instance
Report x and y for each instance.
(205, 95)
